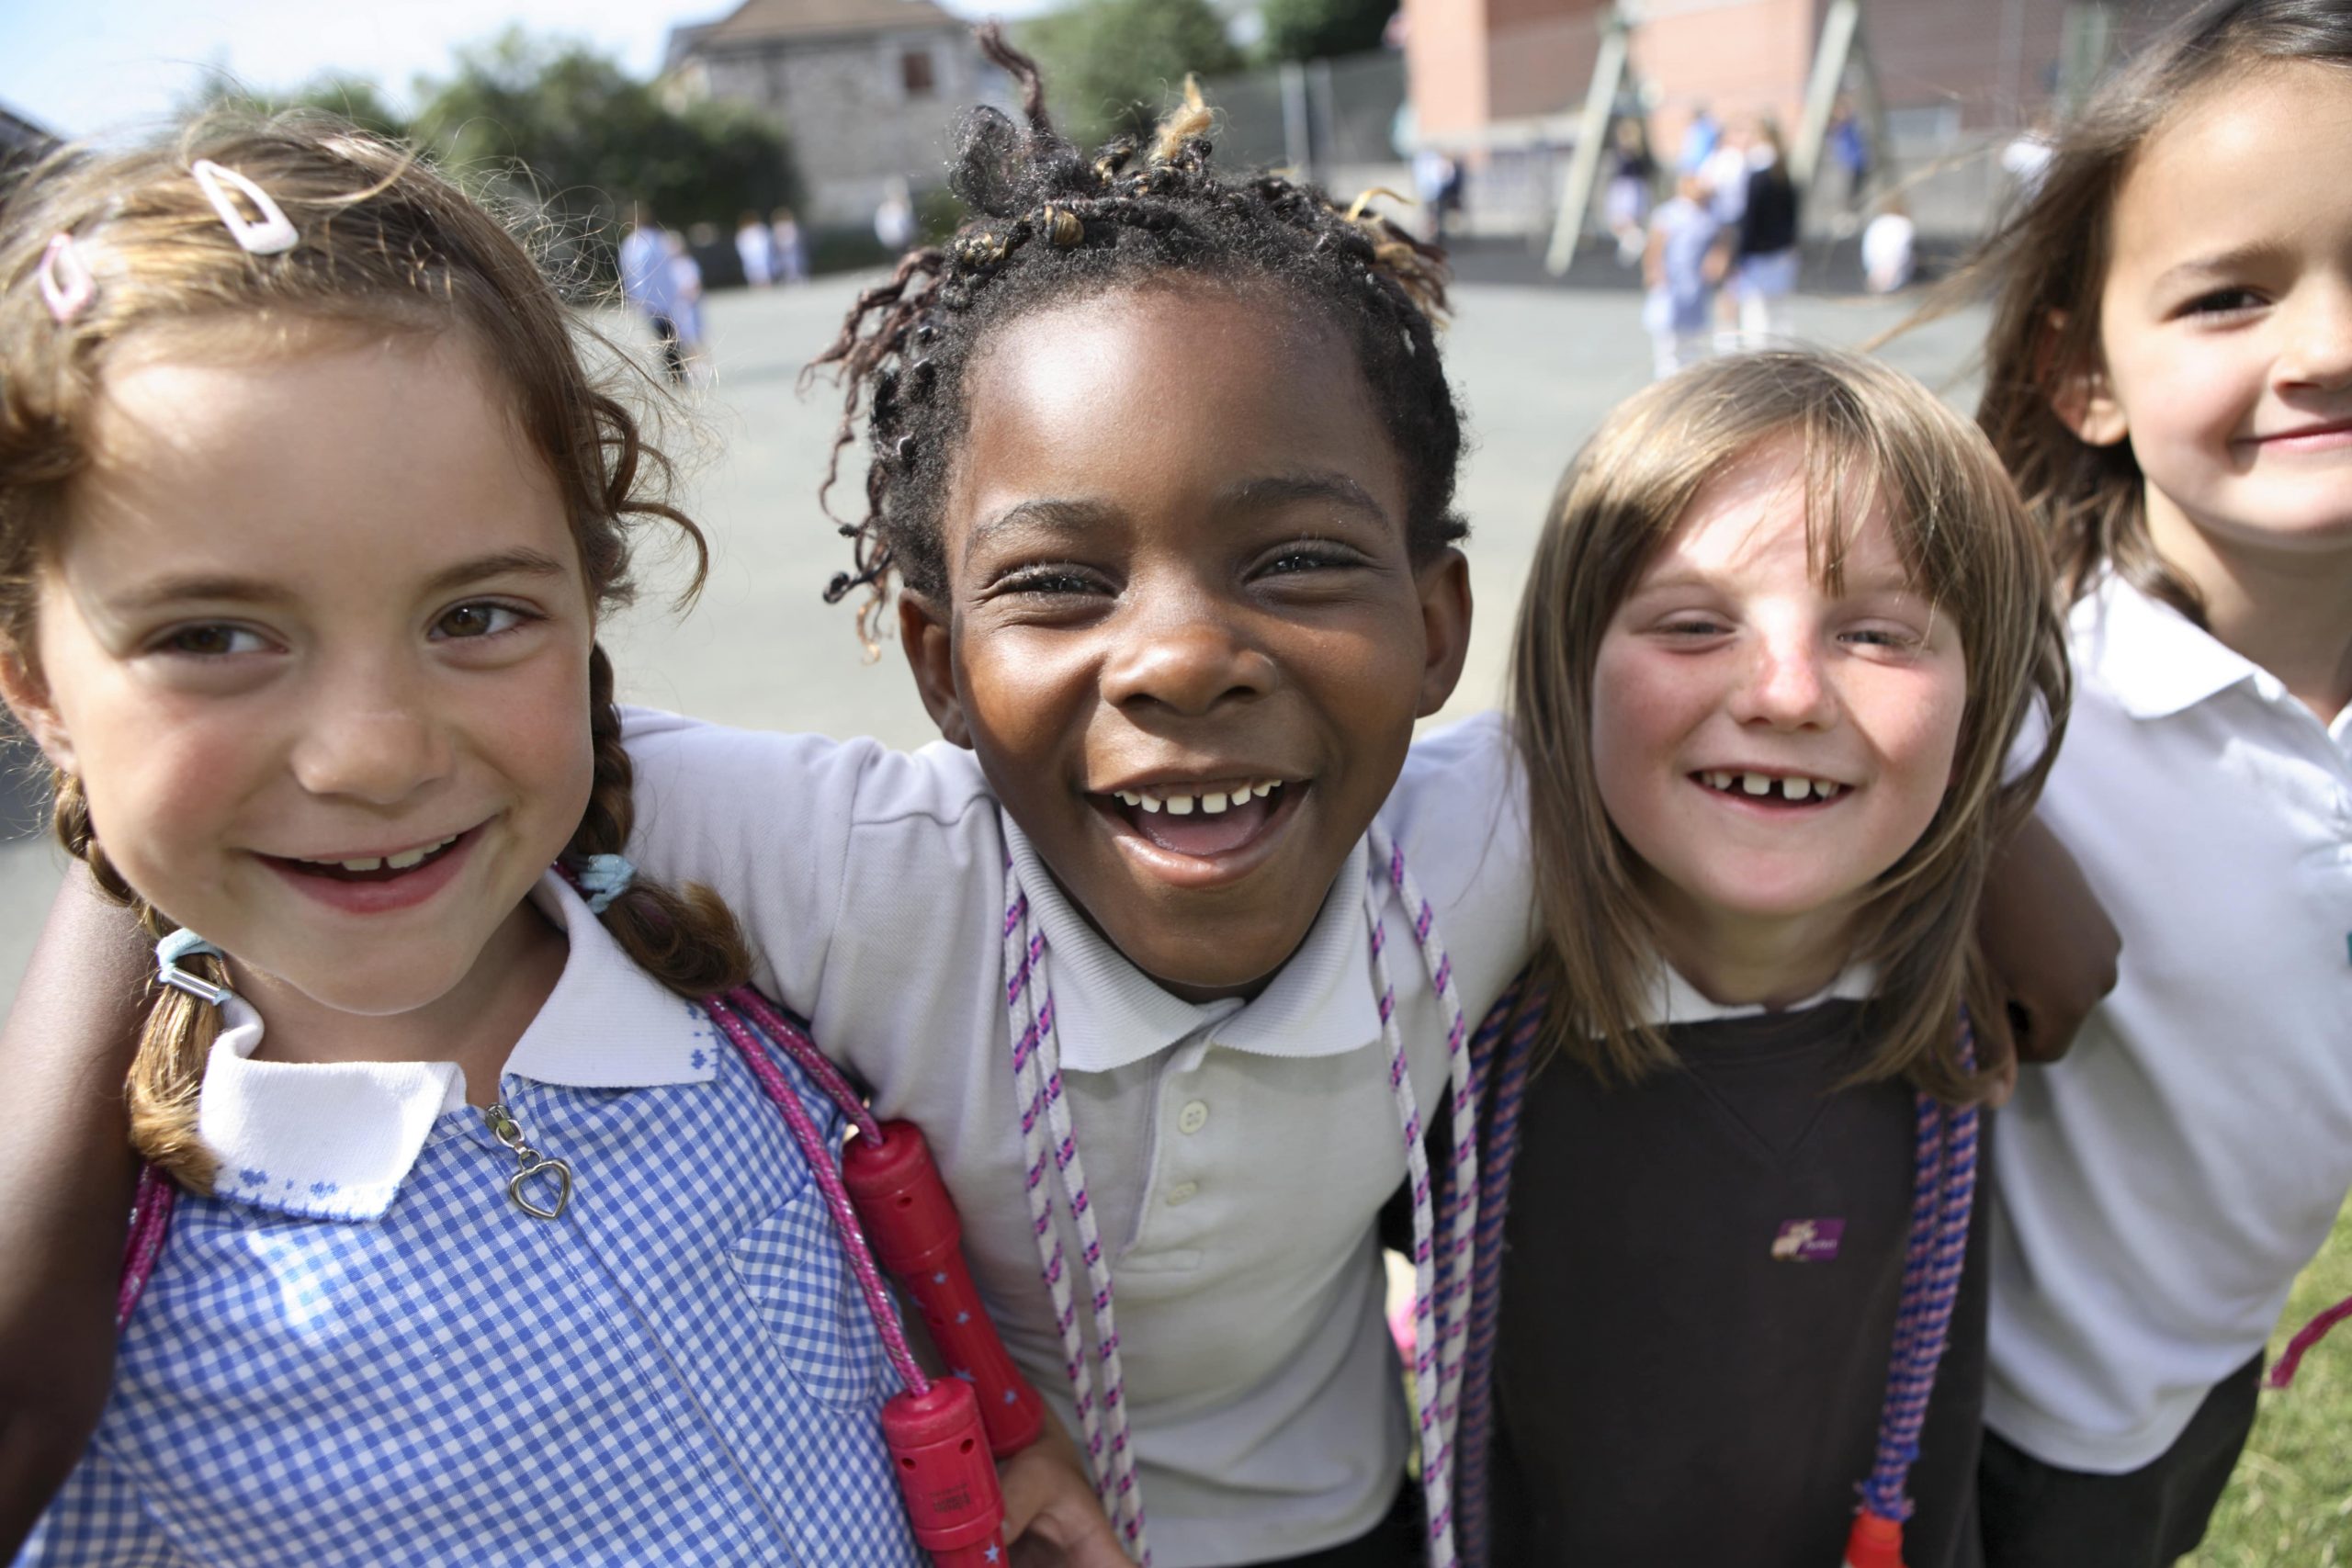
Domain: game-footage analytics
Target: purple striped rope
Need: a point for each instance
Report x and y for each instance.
(723, 1012)
(1038, 1079)
(1499, 1087)
(1934, 1259)
(1437, 1344)
(1439, 1359)
(1453, 1263)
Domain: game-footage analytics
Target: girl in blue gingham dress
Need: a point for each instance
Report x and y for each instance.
(486, 1246)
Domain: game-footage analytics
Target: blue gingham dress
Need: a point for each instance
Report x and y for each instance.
(343, 1360)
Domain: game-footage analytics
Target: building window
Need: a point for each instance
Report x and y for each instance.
(914, 72)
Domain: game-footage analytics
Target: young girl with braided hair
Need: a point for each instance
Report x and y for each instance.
(1161, 468)
(482, 1243)
(1785, 622)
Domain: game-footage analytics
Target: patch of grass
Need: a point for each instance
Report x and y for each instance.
(2290, 1504)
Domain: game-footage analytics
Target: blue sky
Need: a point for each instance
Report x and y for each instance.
(103, 65)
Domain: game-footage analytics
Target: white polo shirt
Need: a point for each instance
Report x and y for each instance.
(1236, 1153)
(2158, 1190)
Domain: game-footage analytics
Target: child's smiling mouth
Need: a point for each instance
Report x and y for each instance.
(1782, 790)
(1207, 820)
(361, 883)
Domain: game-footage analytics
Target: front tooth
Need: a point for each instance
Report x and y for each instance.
(1719, 780)
(1130, 797)
(405, 859)
(372, 864)
(1755, 783)
(1180, 805)
(1214, 803)
(1796, 789)
(1267, 788)
(1150, 802)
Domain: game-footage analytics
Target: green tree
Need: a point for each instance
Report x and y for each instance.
(1112, 66)
(585, 139)
(1315, 29)
(355, 98)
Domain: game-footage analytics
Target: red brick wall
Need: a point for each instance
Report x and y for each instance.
(1739, 57)
(1540, 64)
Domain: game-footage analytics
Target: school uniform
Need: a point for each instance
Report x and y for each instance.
(2158, 1190)
(361, 1350)
(1701, 1282)
(1236, 1153)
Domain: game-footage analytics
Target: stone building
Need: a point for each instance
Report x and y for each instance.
(867, 89)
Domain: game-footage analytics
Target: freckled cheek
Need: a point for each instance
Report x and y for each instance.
(1640, 711)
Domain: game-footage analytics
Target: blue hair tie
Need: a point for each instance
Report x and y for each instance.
(181, 944)
(602, 878)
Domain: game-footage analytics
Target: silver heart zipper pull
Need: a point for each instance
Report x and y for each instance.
(530, 1165)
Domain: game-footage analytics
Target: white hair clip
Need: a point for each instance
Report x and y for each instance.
(265, 236)
(66, 285)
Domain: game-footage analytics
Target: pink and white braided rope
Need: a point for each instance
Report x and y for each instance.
(1441, 1313)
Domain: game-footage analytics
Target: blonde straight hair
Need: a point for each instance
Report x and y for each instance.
(1874, 442)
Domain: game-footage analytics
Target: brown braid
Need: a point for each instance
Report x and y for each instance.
(1051, 224)
(687, 940)
(176, 1039)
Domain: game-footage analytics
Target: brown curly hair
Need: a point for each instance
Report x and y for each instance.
(384, 241)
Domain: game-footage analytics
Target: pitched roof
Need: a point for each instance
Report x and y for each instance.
(761, 19)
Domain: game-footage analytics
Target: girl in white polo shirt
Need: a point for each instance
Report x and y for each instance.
(2169, 378)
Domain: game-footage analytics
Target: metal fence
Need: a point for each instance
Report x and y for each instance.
(1334, 121)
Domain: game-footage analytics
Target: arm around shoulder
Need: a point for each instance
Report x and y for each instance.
(2048, 939)
(66, 1175)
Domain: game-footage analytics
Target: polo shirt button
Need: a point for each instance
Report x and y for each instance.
(1183, 1192)
(1192, 1118)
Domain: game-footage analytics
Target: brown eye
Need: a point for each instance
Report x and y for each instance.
(477, 620)
(209, 641)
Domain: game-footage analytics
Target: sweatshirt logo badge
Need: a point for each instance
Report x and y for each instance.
(1807, 1241)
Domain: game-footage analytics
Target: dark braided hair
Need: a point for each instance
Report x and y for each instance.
(1050, 224)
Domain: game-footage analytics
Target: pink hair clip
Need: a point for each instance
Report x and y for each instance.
(263, 236)
(66, 285)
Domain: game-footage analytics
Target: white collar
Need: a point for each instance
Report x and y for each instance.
(334, 1140)
(2156, 662)
(2152, 658)
(1111, 1014)
(1674, 999)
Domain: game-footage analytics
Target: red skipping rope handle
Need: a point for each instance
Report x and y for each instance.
(1874, 1543)
(906, 1214)
(945, 1474)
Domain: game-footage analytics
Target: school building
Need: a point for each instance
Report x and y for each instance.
(1501, 85)
(866, 88)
